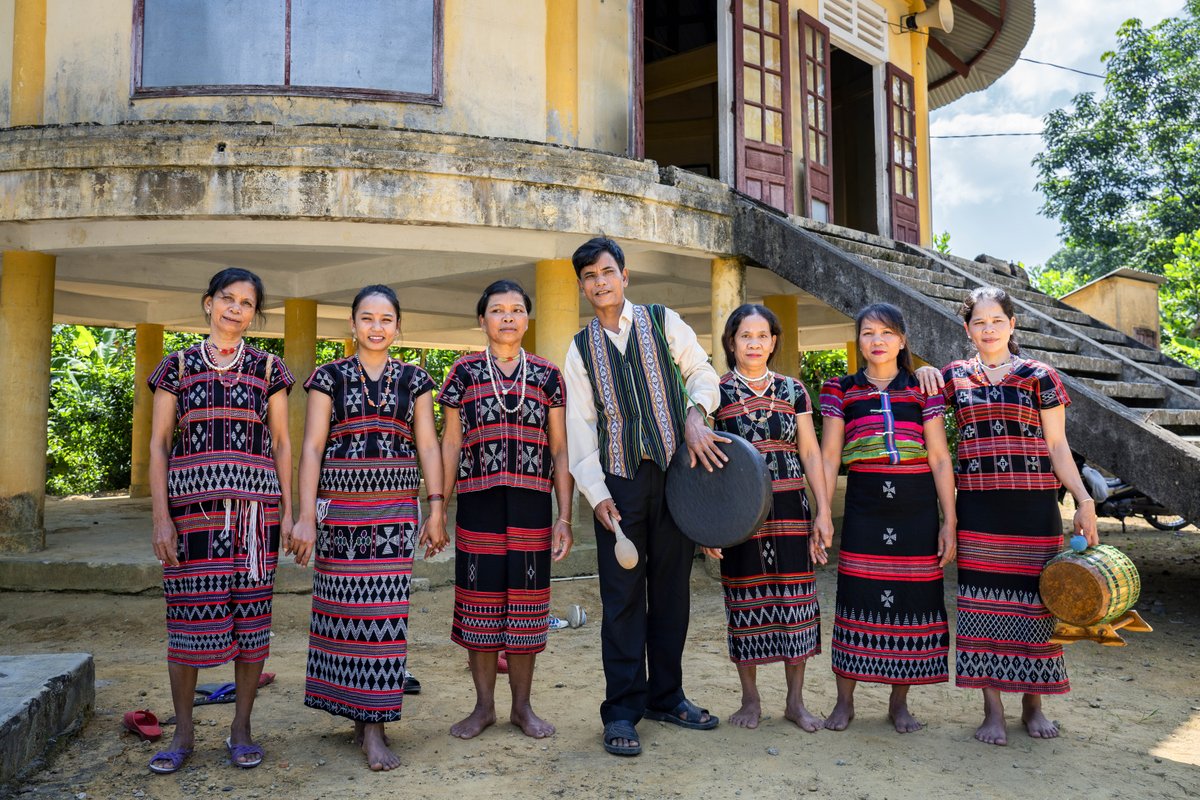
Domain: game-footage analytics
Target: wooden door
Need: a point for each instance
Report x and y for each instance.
(902, 156)
(762, 102)
(818, 158)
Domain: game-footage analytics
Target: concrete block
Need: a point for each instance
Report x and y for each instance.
(43, 698)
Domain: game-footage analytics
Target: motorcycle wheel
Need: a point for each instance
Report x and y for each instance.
(1165, 523)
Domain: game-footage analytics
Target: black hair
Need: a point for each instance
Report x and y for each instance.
(734, 322)
(893, 318)
(998, 296)
(386, 292)
(230, 276)
(590, 251)
(502, 286)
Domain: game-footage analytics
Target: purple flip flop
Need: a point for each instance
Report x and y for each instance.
(238, 751)
(176, 757)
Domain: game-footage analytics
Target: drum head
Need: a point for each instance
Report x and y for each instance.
(723, 507)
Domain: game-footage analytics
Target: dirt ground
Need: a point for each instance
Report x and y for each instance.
(1130, 727)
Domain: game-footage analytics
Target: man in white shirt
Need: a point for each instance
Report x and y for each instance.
(626, 414)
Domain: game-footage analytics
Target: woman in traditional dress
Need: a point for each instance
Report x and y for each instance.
(221, 503)
(890, 621)
(1012, 453)
(505, 444)
(770, 593)
(370, 417)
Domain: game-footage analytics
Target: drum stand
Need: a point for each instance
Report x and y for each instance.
(1105, 634)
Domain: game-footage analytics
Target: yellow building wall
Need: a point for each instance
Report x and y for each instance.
(1124, 303)
(494, 75)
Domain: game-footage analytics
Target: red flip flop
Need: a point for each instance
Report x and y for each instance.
(144, 724)
(266, 679)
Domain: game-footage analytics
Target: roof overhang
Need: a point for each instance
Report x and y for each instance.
(988, 37)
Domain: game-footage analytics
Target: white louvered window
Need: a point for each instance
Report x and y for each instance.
(859, 25)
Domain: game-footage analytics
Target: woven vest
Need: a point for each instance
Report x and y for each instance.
(639, 403)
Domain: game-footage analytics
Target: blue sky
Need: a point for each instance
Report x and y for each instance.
(983, 189)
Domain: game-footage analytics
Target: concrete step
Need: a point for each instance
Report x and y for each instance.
(896, 268)
(1076, 364)
(1183, 422)
(1182, 375)
(1105, 335)
(1142, 354)
(44, 699)
(867, 250)
(1128, 393)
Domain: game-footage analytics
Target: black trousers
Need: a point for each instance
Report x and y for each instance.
(646, 608)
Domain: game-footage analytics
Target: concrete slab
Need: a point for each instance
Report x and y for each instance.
(43, 698)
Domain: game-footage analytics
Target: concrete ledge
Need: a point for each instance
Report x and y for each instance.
(43, 698)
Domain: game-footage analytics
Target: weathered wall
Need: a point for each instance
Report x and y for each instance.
(6, 37)
(1124, 303)
(494, 75)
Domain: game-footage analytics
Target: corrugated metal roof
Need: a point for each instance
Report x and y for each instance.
(970, 43)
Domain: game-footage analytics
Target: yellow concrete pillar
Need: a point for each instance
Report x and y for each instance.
(728, 292)
(562, 71)
(787, 350)
(530, 340)
(148, 352)
(28, 63)
(556, 302)
(851, 357)
(349, 348)
(920, 50)
(300, 354)
(26, 322)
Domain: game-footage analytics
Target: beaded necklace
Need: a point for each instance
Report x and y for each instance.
(210, 361)
(496, 385)
(761, 417)
(383, 390)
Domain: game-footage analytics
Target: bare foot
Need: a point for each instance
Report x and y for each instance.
(530, 723)
(1035, 721)
(748, 715)
(805, 719)
(379, 757)
(841, 716)
(902, 719)
(993, 730)
(472, 726)
(358, 735)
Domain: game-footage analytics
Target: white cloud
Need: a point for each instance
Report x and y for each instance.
(983, 189)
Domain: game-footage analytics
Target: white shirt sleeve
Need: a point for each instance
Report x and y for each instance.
(702, 381)
(583, 441)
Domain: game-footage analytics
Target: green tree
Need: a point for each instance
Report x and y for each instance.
(1121, 172)
(1179, 301)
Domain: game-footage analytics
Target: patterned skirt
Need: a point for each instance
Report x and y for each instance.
(358, 640)
(502, 570)
(770, 592)
(219, 596)
(890, 622)
(1005, 537)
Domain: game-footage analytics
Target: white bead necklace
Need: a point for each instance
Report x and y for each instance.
(769, 377)
(496, 390)
(211, 362)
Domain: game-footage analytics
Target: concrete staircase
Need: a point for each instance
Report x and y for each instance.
(1135, 412)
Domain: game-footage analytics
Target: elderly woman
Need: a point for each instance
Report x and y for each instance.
(370, 417)
(221, 503)
(505, 444)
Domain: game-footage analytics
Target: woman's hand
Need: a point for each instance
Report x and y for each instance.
(303, 539)
(165, 540)
(433, 532)
(821, 539)
(1085, 522)
(713, 552)
(947, 542)
(930, 379)
(285, 530)
(561, 540)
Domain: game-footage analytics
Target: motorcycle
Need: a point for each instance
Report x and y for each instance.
(1117, 499)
